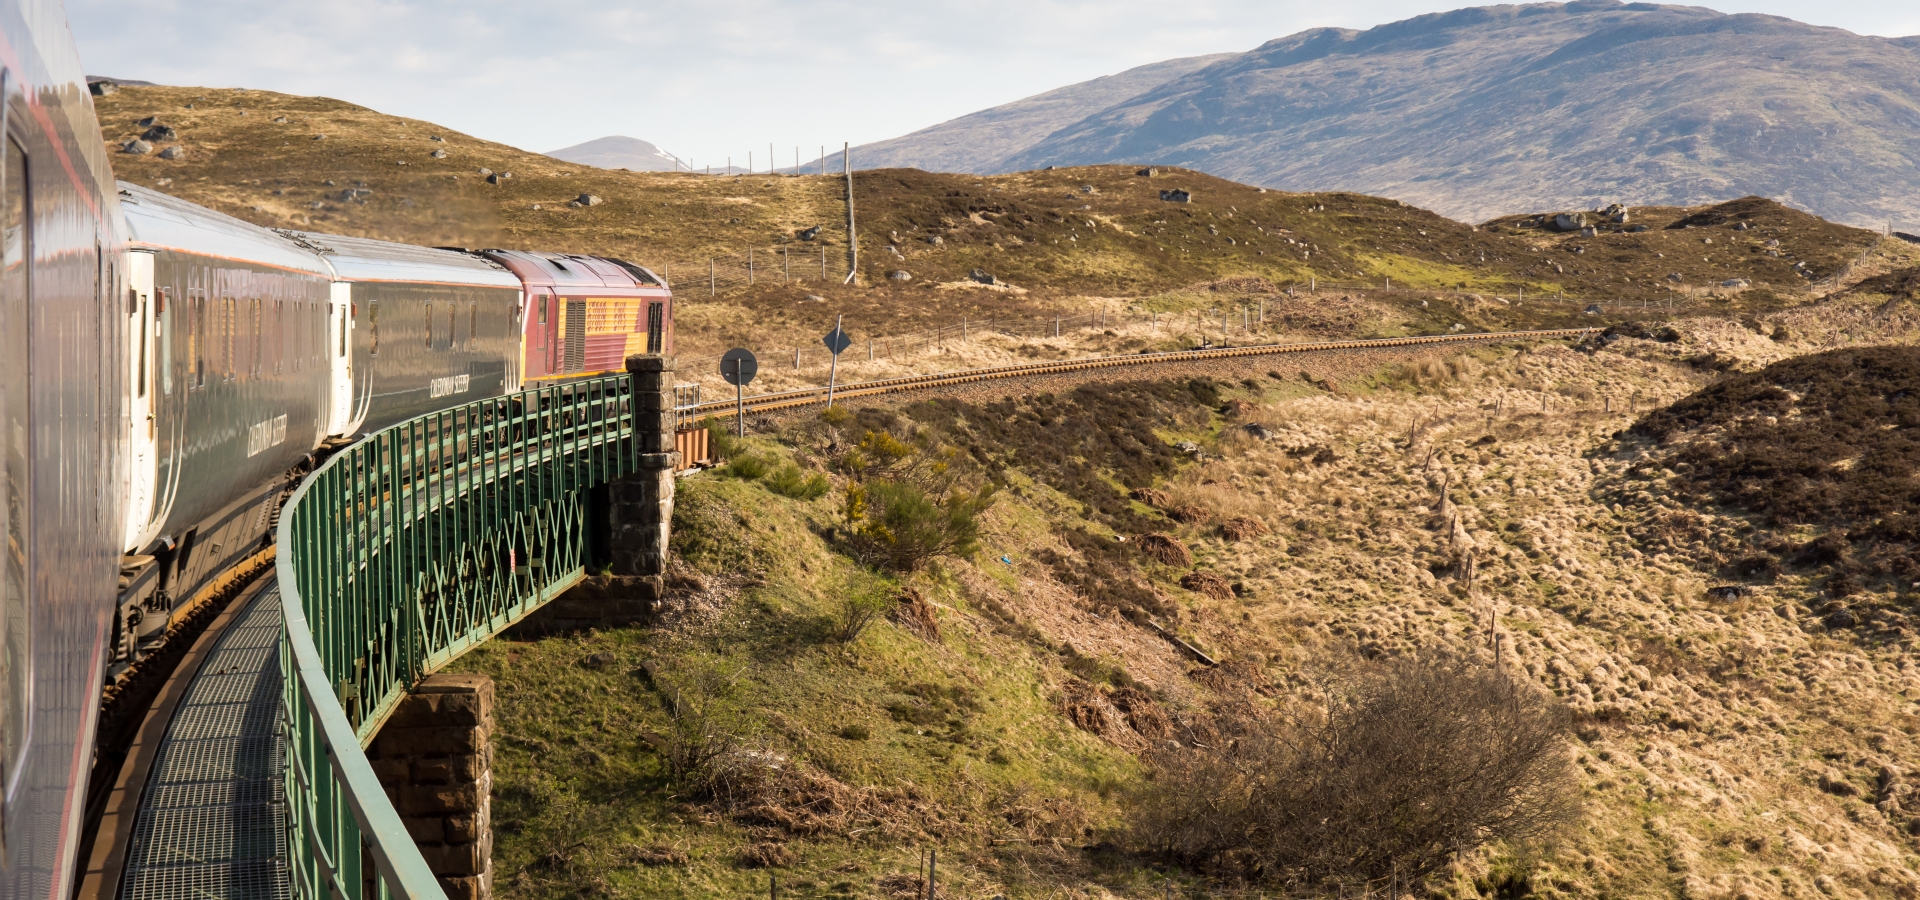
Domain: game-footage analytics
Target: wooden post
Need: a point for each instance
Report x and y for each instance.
(786, 264)
(712, 289)
(749, 265)
(796, 359)
(933, 864)
(853, 241)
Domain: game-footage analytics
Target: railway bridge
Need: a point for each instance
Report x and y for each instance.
(398, 554)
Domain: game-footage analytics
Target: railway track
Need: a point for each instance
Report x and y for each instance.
(808, 396)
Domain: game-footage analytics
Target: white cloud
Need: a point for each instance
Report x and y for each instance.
(709, 80)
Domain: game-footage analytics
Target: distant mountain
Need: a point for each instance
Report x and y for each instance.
(1491, 110)
(620, 152)
(976, 142)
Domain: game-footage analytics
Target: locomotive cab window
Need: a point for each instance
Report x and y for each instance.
(16, 475)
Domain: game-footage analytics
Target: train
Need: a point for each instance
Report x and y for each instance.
(168, 373)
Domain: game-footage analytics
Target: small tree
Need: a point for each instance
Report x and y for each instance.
(1406, 766)
(856, 608)
(704, 721)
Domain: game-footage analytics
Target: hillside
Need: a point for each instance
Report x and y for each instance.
(1584, 103)
(979, 141)
(1059, 242)
(1732, 733)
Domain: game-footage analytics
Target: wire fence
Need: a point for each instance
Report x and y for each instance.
(1246, 319)
(822, 260)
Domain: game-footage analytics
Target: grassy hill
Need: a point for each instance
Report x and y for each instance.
(1058, 238)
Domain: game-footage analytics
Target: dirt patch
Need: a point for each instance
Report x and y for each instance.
(915, 615)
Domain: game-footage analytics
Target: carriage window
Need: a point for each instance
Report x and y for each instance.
(16, 478)
(429, 325)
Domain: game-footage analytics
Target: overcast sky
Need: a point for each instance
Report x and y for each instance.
(708, 80)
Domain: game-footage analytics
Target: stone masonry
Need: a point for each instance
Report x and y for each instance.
(435, 759)
(639, 512)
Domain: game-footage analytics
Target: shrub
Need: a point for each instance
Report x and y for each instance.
(720, 439)
(704, 722)
(789, 481)
(1405, 766)
(898, 526)
(857, 606)
(746, 467)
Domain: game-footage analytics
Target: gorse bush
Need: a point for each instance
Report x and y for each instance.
(747, 467)
(905, 506)
(789, 481)
(1401, 769)
(898, 526)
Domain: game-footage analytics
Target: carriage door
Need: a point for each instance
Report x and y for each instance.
(340, 355)
(546, 324)
(143, 422)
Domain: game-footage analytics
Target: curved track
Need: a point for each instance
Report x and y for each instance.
(807, 396)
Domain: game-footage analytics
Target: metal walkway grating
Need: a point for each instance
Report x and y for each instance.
(212, 821)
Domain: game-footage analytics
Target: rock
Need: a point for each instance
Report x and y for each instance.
(936, 240)
(1741, 226)
(435, 137)
(809, 234)
(136, 147)
(1176, 196)
(1147, 172)
(536, 206)
(316, 205)
(1727, 592)
(328, 182)
(899, 275)
(159, 133)
(1048, 169)
(1639, 228)
(496, 179)
(1569, 221)
(816, 298)
(174, 152)
(355, 195)
(147, 122)
(1675, 277)
(597, 661)
(585, 199)
(1589, 231)
(1593, 309)
(982, 276)
(1736, 283)
(319, 137)
(1089, 189)
(1257, 431)
(280, 120)
(484, 171)
(438, 154)
(102, 88)
(1188, 447)
(1841, 618)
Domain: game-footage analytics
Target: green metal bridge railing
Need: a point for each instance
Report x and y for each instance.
(402, 552)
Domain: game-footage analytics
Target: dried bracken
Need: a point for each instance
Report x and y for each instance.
(1165, 548)
(914, 615)
(1207, 583)
(1190, 515)
(1158, 499)
(1242, 528)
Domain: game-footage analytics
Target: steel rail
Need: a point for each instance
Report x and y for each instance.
(808, 396)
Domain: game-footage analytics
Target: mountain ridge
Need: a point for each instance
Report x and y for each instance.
(1482, 110)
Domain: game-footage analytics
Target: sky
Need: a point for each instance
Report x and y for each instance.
(708, 81)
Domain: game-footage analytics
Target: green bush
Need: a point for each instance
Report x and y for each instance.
(720, 439)
(901, 527)
(747, 467)
(789, 481)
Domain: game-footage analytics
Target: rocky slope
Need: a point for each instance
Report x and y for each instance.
(1482, 111)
